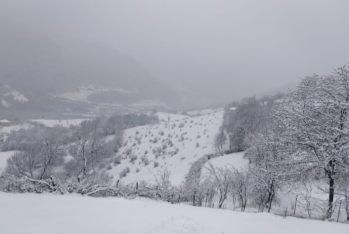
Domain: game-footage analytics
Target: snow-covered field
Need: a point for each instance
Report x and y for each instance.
(54, 214)
(174, 144)
(236, 160)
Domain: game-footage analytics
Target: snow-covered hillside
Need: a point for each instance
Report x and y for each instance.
(173, 144)
(42, 214)
(236, 160)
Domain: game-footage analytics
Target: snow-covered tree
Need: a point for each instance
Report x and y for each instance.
(267, 167)
(316, 119)
(219, 140)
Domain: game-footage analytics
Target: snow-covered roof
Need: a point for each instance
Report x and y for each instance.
(4, 121)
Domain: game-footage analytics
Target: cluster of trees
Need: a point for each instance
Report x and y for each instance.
(78, 153)
(298, 141)
(302, 137)
(242, 120)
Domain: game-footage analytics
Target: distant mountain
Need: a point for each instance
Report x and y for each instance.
(36, 66)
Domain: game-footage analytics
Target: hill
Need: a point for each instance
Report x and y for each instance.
(173, 145)
(48, 73)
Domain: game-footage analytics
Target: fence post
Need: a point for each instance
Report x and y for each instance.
(339, 210)
(295, 207)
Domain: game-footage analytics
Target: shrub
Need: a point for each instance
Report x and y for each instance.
(128, 151)
(133, 157)
(156, 164)
(117, 160)
(145, 160)
(124, 172)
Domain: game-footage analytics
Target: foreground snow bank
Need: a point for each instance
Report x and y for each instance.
(30, 213)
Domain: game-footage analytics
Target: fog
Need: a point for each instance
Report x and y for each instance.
(218, 51)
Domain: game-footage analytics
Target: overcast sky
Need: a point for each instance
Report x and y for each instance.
(222, 49)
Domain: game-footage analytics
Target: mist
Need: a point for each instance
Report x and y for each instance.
(206, 51)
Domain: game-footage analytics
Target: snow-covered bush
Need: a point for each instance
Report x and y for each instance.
(117, 160)
(124, 172)
(145, 160)
(133, 157)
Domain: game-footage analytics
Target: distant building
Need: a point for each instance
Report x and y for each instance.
(5, 123)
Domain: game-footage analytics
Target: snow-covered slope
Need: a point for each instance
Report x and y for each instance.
(42, 214)
(173, 144)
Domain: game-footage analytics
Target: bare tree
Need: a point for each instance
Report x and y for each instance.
(221, 179)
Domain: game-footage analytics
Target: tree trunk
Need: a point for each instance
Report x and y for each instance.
(330, 197)
(270, 196)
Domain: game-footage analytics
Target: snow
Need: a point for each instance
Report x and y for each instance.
(4, 103)
(72, 214)
(62, 123)
(11, 128)
(3, 159)
(236, 160)
(4, 121)
(17, 96)
(198, 134)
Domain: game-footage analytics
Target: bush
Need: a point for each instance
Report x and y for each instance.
(156, 164)
(124, 172)
(117, 160)
(133, 157)
(128, 151)
(145, 160)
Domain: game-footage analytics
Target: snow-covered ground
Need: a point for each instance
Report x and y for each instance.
(236, 160)
(174, 144)
(3, 159)
(62, 123)
(54, 214)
